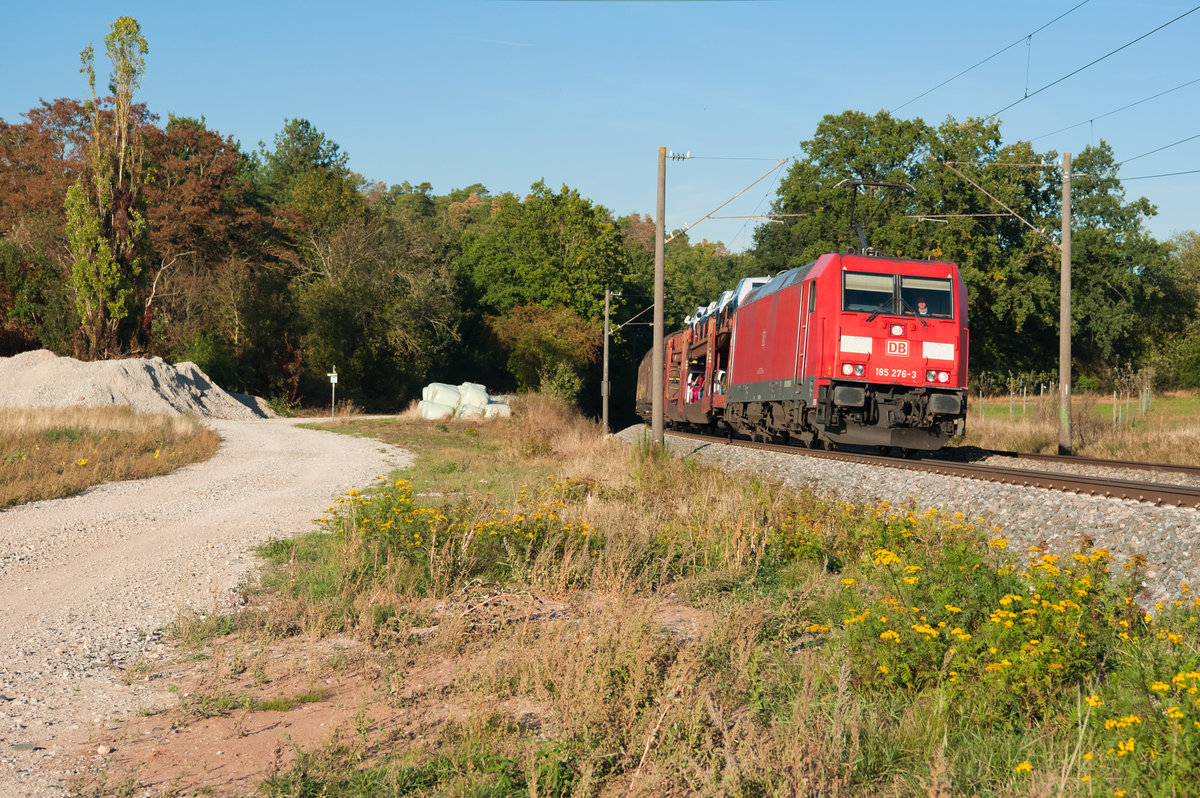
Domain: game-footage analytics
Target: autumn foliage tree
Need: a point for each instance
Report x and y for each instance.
(207, 236)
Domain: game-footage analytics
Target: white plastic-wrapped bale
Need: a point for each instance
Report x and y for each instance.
(442, 394)
(497, 410)
(469, 411)
(473, 395)
(434, 411)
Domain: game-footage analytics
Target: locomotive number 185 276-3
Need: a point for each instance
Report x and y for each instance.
(896, 374)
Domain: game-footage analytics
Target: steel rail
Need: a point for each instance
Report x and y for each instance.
(1150, 492)
(1133, 465)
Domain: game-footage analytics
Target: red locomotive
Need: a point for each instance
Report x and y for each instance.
(850, 349)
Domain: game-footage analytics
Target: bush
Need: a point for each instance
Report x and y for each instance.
(215, 357)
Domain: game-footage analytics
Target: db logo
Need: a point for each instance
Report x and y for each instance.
(897, 348)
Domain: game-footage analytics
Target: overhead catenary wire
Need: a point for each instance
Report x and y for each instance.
(1026, 38)
(1165, 174)
(765, 175)
(1093, 63)
(949, 165)
(727, 158)
(1042, 165)
(770, 190)
(1160, 149)
(1118, 110)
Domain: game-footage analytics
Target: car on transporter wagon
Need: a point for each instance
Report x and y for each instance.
(849, 350)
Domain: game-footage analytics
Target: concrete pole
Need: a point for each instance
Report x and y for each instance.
(656, 360)
(1064, 317)
(605, 386)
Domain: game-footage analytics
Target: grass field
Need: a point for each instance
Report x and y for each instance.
(711, 634)
(51, 453)
(1169, 432)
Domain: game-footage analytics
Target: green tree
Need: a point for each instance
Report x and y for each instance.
(547, 347)
(1176, 358)
(697, 274)
(554, 248)
(375, 300)
(106, 225)
(299, 149)
(961, 212)
(1123, 296)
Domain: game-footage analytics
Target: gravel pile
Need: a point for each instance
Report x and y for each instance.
(1165, 536)
(148, 385)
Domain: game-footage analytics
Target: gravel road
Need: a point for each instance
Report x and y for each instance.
(87, 582)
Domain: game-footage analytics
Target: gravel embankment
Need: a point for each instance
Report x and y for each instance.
(87, 582)
(1166, 536)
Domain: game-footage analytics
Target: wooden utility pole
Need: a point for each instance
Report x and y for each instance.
(656, 360)
(605, 385)
(1064, 317)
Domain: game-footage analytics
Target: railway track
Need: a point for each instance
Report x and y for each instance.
(1072, 460)
(1151, 492)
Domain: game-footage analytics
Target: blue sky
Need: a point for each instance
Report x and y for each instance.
(509, 92)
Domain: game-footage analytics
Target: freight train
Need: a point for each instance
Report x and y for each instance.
(850, 349)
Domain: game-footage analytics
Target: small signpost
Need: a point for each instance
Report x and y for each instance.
(333, 391)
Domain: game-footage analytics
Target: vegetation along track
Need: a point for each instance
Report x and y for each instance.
(1152, 492)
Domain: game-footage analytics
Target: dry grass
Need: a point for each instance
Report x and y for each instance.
(1168, 433)
(706, 639)
(52, 453)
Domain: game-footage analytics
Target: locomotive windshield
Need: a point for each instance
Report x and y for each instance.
(927, 296)
(868, 293)
(901, 295)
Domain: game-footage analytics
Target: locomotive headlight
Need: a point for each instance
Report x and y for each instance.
(943, 376)
(847, 369)
(930, 375)
(858, 370)
(897, 330)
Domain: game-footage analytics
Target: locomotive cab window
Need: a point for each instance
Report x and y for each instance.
(927, 296)
(868, 293)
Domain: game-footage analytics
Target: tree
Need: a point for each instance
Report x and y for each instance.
(1181, 354)
(848, 146)
(299, 149)
(376, 300)
(697, 274)
(39, 159)
(106, 225)
(554, 248)
(208, 242)
(547, 346)
(961, 213)
(1123, 298)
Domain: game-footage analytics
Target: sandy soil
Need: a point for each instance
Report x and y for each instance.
(86, 583)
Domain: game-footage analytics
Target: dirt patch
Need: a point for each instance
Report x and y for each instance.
(370, 702)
